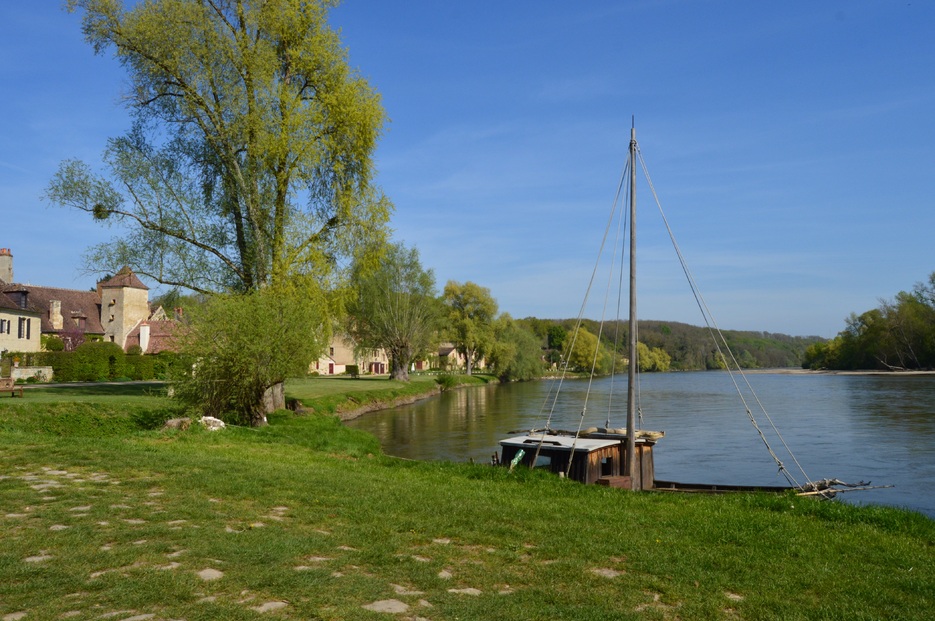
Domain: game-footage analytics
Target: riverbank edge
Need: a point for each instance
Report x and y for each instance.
(356, 410)
(376, 406)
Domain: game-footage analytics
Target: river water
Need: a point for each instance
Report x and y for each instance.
(850, 427)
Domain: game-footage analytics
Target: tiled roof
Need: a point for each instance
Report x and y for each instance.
(6, 302)
(124, 278)
(75, 305)
(162, 335)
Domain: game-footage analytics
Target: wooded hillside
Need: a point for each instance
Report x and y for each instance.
(692, 347)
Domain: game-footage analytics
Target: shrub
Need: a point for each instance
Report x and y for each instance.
(238, 349)
(98, 361)
(52, 343)
(446, 381)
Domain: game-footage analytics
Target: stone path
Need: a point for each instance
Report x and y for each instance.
(448, 561)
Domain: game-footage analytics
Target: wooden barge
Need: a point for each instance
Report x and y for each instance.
(592, 458)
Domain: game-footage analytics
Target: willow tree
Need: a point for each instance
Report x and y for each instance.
(395, 308)
(471, 313)
(249, 162)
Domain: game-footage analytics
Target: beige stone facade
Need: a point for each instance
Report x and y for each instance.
(341, 353)
(19, 328)
(124, 305)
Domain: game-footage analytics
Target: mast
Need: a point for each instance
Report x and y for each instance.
(631, 466)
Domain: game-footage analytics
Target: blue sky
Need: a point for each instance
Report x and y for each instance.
(792, 145)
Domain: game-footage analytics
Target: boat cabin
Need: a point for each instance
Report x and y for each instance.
(594, 460)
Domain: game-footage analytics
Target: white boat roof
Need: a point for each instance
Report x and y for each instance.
(559, 442)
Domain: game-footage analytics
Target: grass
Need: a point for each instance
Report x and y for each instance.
(340, 394)
(307, 514)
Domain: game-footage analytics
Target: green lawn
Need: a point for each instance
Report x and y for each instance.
(304, 519)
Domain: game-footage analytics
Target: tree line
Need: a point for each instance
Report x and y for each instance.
(898, 335)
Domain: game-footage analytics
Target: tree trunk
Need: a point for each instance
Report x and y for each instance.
(274, 398)
(399, 370)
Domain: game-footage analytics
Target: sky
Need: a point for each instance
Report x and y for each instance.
(791, 145)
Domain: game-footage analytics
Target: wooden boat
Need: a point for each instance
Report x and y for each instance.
(624, 457)
(606, 456)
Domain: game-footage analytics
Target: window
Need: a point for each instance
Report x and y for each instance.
(24, 328)
(3, 326)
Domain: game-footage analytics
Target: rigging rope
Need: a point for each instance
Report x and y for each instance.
(576, 330)
(720, 339)
(720, 342)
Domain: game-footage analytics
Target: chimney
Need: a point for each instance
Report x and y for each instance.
(6, 265)
(55, 314)
(144, 336)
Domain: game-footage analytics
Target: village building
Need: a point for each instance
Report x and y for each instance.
(341, 353)
(111, 312)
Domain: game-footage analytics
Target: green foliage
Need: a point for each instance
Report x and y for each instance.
(585, 354)
(237, 347)
(898, 335)
(393, 307)
(652, 360)
(140, 367)
(516, 353)
(52, 343)
(471, 311)
(249, 159)
(446, 381)
(97, 362)
(692, 347)
(94, 361)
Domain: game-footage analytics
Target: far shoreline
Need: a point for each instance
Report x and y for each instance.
(794, 371)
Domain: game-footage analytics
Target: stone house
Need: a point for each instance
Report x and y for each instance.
(111, 312)
(448, 358)
(19, 327)
(341, 353)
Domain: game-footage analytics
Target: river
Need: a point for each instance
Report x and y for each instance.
(850, 427)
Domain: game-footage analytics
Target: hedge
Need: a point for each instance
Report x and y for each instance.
(100, 362)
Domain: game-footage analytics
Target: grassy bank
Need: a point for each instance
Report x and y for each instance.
(304, 519)
(347, 397)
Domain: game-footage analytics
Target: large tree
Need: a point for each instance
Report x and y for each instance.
(516, 354)
(395, 308)
(249, 159)
(249, 163)
(471, 313)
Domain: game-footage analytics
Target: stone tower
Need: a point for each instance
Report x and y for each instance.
(124, 304)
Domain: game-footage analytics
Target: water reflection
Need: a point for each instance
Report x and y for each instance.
(849, 427)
